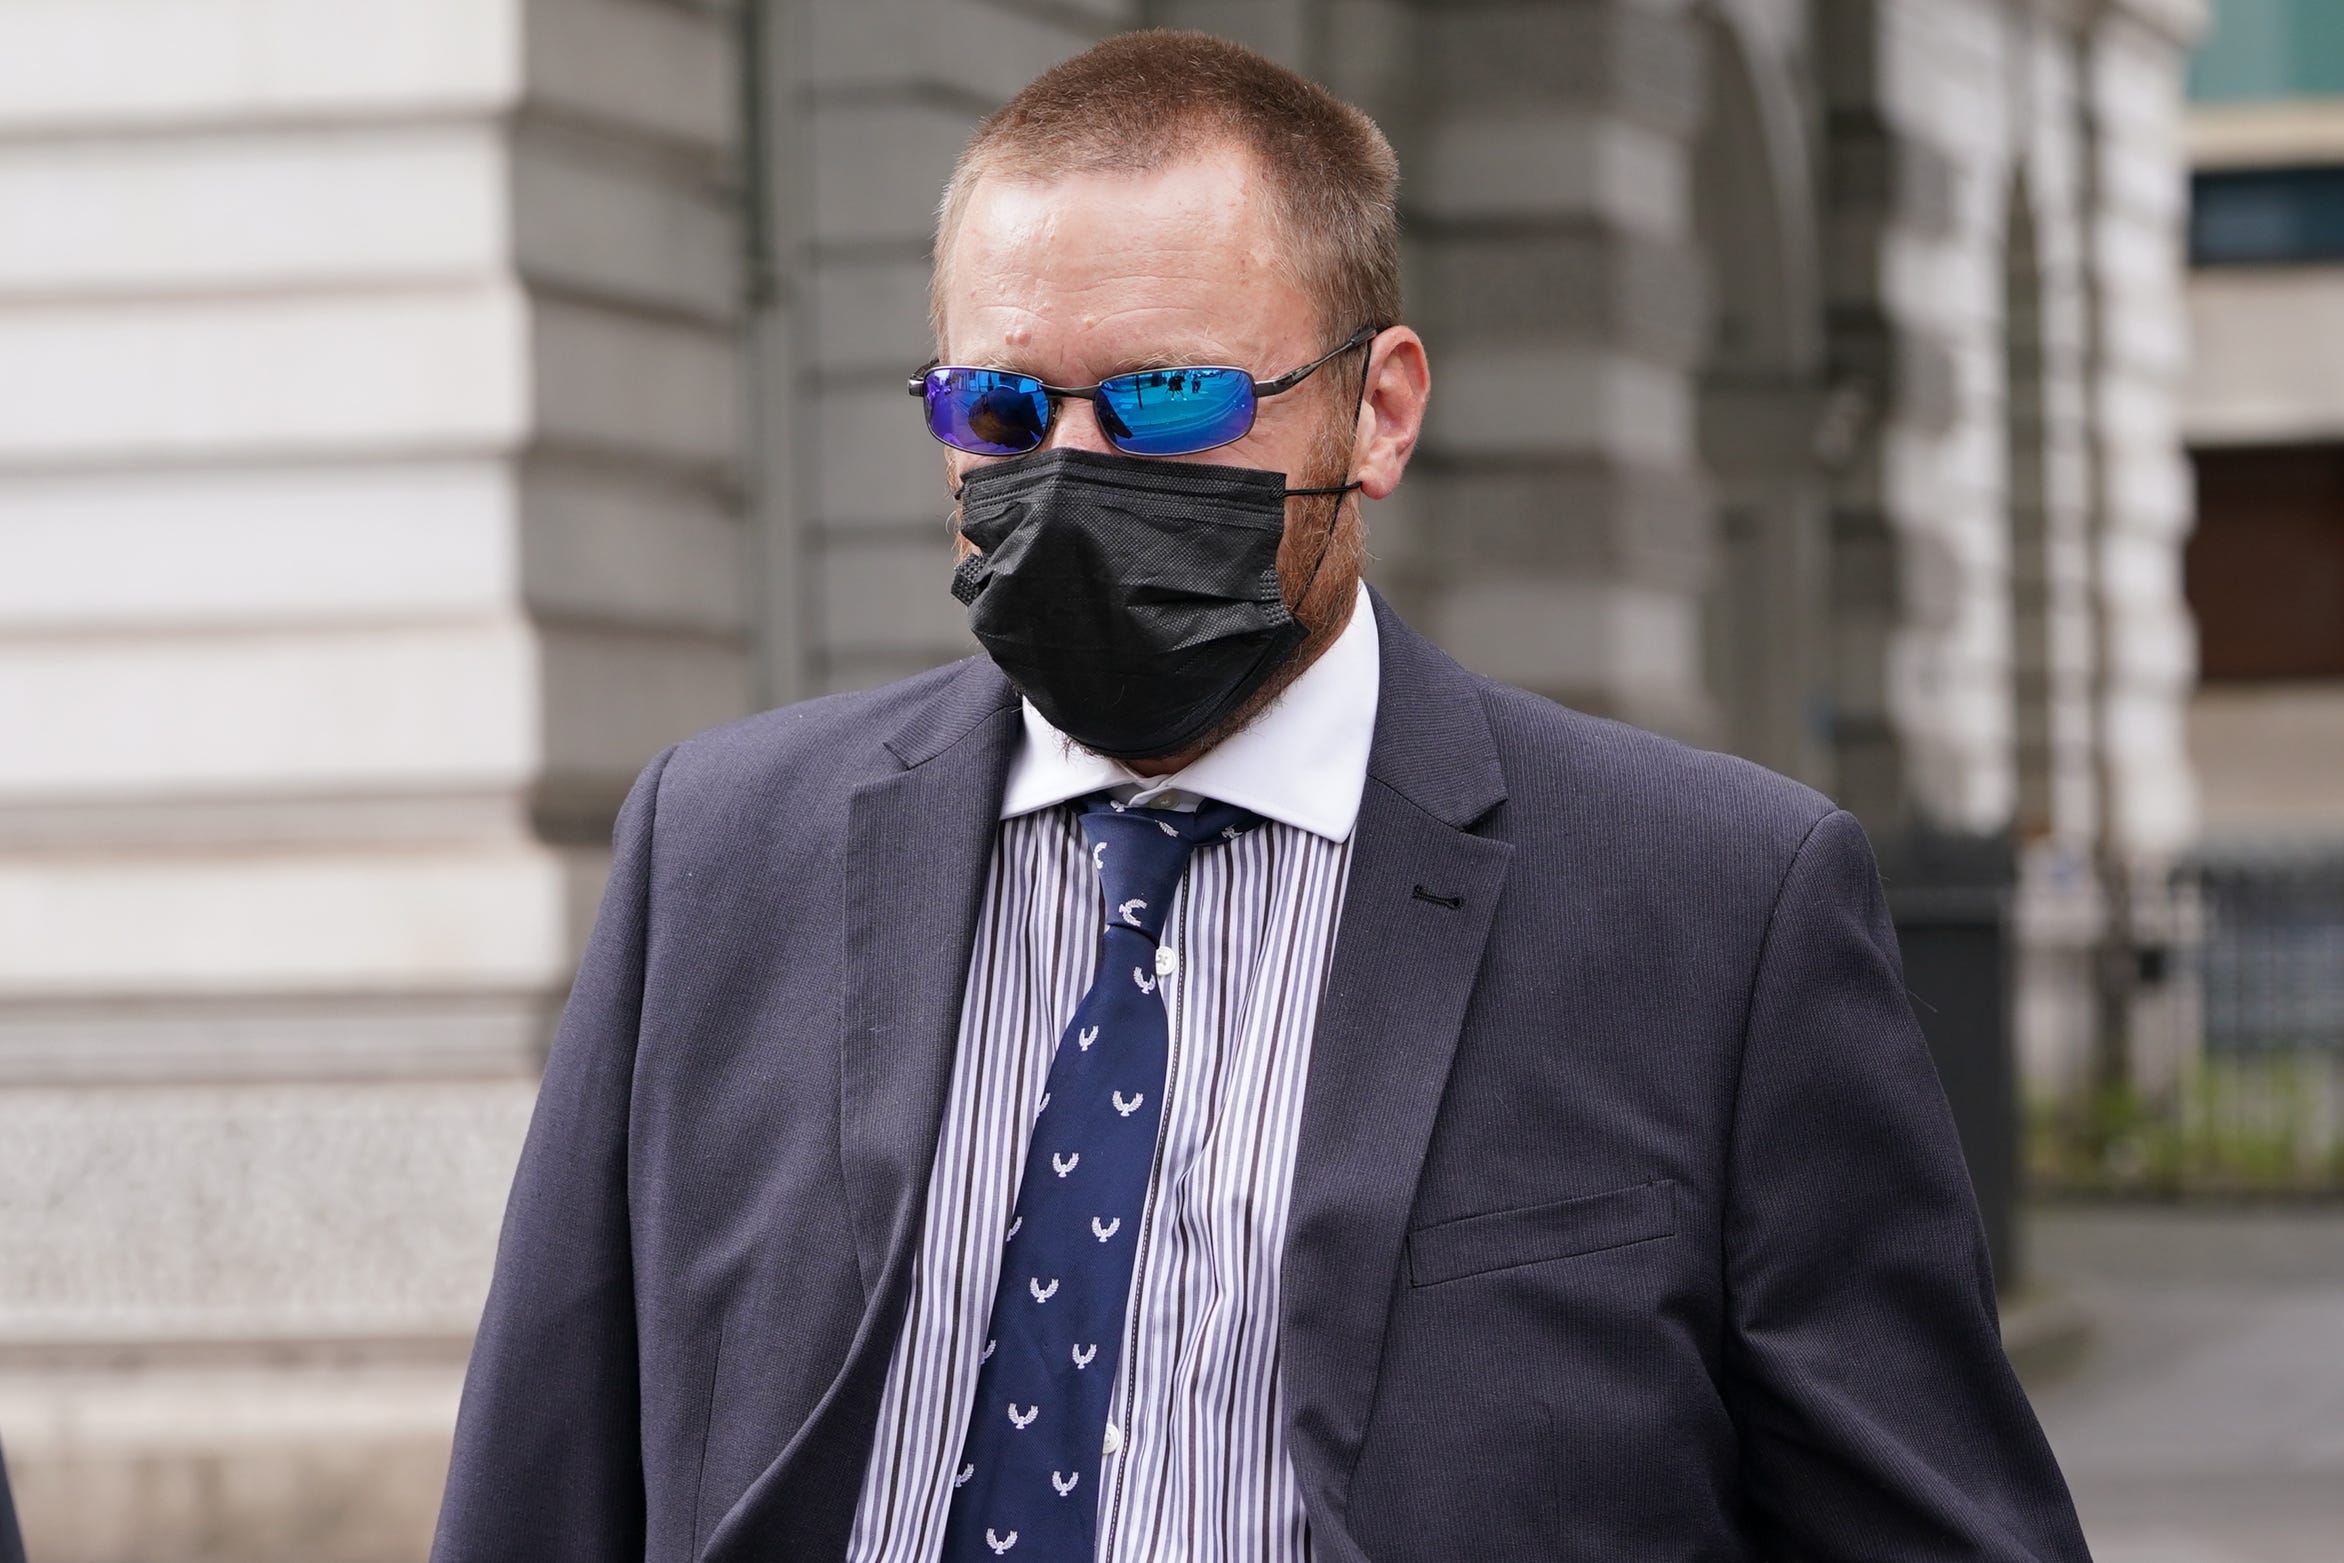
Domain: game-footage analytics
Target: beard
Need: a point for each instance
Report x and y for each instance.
(1319, 559)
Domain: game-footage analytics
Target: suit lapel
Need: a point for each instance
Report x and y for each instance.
(1416, 915)
(919, 846)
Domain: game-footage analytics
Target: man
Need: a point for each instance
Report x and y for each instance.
(1213, 1079)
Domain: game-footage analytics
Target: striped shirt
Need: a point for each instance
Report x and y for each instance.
(1197, 1467)
(1202, 1472)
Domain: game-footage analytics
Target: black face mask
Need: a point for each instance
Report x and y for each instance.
(1135, 602)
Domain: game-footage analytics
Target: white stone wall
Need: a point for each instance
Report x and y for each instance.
(2263, 367)
(2148, 648)
(2014, 651)
(2269, 755)
(870, 102)
(1551, 530)
(369, 451)
(1982, 109)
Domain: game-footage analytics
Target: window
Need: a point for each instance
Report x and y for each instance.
(2266, 564)
(2267, 216)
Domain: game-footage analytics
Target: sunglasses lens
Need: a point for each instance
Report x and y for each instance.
(986, 412)
(1175, 412)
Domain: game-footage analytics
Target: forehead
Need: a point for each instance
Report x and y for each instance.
(1086, 274)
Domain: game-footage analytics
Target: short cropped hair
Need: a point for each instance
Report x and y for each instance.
(1140, 101)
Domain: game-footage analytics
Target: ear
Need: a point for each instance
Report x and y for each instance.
(1391, 412)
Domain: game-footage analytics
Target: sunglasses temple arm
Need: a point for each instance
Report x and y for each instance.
(1288, 381)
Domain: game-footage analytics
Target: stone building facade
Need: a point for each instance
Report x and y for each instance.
(412, 416)
(2264, 418)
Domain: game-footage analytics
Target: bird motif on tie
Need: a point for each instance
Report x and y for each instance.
(1059, 1304)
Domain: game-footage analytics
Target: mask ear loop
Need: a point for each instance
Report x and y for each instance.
(1327, 538)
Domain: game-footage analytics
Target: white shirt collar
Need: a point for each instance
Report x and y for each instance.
(1302, 762)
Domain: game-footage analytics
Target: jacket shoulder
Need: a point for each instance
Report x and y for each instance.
(800, 759)
(1605, 773)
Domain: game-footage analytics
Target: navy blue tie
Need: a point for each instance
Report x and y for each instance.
(1027, 1485)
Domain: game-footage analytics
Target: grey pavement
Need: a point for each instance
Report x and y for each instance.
(2204, 1422)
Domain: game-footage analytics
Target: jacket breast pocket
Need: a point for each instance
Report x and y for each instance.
(1533, 1234)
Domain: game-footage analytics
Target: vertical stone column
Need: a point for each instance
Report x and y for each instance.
(1955, 261)
(1554, 531)
(2134, 60)
(2061, 911)
(1763, 434)
(879, 99)
(2134, 55)
(1916, 153)
(368, 440)
(1972, 266)
(1942, 114)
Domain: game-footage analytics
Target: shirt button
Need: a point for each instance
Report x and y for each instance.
(1166, 961)
(1114, 1444)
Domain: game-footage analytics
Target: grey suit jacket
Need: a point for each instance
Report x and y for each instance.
(1628, 1220)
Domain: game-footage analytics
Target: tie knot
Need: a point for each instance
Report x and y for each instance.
(1140, 855)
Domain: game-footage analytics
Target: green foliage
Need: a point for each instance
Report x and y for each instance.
(2239, 1124)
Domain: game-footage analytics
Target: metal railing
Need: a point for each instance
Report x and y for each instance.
(2254, 1104)
(2272, 963)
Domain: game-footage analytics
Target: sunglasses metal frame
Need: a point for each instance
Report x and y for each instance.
(1095, 394)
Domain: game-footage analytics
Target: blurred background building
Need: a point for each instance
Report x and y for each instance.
(2264, 417)
(414, 415)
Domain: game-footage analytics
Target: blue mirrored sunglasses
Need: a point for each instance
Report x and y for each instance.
(1151, 412)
